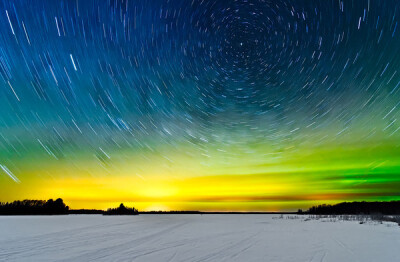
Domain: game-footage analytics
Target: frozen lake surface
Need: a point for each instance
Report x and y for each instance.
(194, 238)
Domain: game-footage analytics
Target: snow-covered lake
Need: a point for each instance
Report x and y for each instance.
(194, 238)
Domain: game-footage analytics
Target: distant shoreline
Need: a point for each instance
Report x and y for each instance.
(215, 213)
(58, 207)
(101, 212)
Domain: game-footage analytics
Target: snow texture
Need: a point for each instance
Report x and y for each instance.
(194, 238)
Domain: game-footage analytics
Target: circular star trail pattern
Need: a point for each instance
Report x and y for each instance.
(300, 98)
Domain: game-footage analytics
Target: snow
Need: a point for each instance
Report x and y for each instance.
(194, 238)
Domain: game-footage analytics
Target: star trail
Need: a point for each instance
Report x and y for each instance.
(202, 104)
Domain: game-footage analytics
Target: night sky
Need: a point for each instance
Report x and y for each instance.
(203, 104)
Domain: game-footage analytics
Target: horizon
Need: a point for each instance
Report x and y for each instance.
(133, 204)
(357, 207)
(200, 105)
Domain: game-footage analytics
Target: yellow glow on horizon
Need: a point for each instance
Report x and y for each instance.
(258, 192)
(259, 182)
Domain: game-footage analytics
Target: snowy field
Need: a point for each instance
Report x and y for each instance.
(194, 238)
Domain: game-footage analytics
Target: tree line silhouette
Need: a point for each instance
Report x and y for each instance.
(56, 207)
(121, 210)
(354, 208)
(34, 207)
